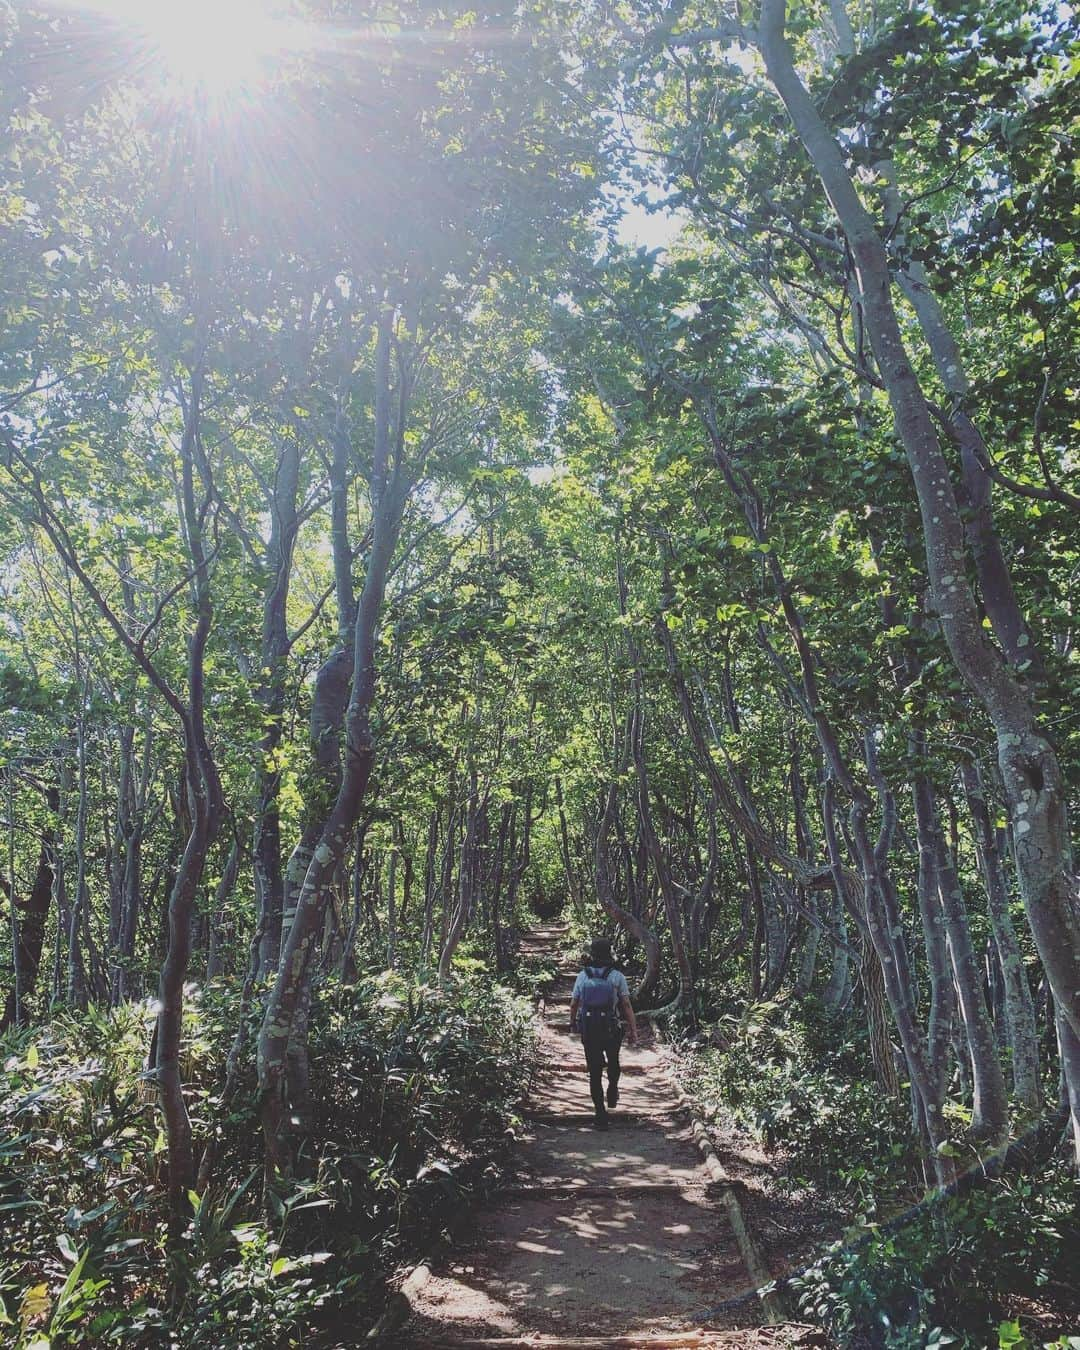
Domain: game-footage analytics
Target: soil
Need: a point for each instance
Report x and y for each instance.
(605, 1239)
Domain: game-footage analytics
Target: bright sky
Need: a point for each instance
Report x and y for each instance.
(649, 229)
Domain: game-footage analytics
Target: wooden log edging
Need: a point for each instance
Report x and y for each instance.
(765, 1289)
(399, 1305)
(678, 1340)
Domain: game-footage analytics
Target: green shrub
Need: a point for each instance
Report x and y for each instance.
(532, 974)
(779, 1079)
(949, 1273)
(413, 1091)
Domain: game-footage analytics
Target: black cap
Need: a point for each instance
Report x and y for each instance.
(600, 949)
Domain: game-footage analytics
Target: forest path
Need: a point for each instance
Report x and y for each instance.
(603, 1239)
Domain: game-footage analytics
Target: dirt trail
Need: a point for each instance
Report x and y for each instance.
(605, 1239)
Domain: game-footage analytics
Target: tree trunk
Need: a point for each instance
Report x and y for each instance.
(430, 861)
(572, 884)
(684, 998)
(32, 920)
(757, 910)
(1031, 774)
(132, 801)
(942, 998)
(804, 981)
(270, 696)
(391, 908)
(215, 953)
(990, 1111)
(605, 893)
(207, 808)
(837, 992)
(466, 896)
(76, 972)
(1019, 1007)
(388, 493)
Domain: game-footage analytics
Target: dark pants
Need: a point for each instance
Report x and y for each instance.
(596, 1057)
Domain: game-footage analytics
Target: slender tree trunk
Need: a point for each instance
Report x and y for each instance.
(990, 1112)
(837, 992)
(1030, 771)
(63, 909)
(407, 874)
(466, 895)
(757, 910)
(605, 893)
(76, 973)
(684, 998)
(132, 798)
(30, 932)
(1069, 1052)
(274, 649)
(504, 847)
(572, 883)
(1018, 1004)
(804, 847)
(391, 909)
(388, 492)
(808, 956)
(215, 954)
(207, 808)
(519, 866)
(430, 888)
(942, 998)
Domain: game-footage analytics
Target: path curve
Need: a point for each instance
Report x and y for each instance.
(601, 1239)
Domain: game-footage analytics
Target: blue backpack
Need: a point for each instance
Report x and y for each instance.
(598, 1001)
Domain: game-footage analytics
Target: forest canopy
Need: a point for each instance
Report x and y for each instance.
(467, 465)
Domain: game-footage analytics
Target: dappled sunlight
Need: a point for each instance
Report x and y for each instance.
(488, 482)
(599, 1230)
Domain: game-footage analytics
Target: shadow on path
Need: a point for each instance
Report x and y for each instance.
(602, 1238)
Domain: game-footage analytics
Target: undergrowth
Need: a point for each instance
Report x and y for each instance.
(414, 1091)
(997, 1263)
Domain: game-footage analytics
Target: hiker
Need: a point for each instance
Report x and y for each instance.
(600, 994)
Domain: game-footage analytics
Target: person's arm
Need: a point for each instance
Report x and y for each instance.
(628, 1015)
(575, 1003)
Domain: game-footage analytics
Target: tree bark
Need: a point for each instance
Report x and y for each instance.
(76, 973)
(270, 696)
(1030, 771)
(33, 916)
(605, 893)
(1018, 1004)
(388, 492)
(466, 883)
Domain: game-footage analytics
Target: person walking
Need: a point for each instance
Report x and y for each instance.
(600, 995)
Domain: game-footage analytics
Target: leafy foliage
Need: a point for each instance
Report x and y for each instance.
(948, 1274)
(416, 1091)
(797, 1081)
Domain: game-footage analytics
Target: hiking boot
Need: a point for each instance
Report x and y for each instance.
(600, 1123)
(613, 1094)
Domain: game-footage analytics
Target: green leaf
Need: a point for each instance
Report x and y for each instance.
(1010, 1337)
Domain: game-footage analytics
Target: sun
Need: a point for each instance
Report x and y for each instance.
(216, 46)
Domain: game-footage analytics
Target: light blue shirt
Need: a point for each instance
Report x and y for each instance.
(615, 977)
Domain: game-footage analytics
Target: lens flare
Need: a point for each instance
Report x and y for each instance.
(216, 46)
